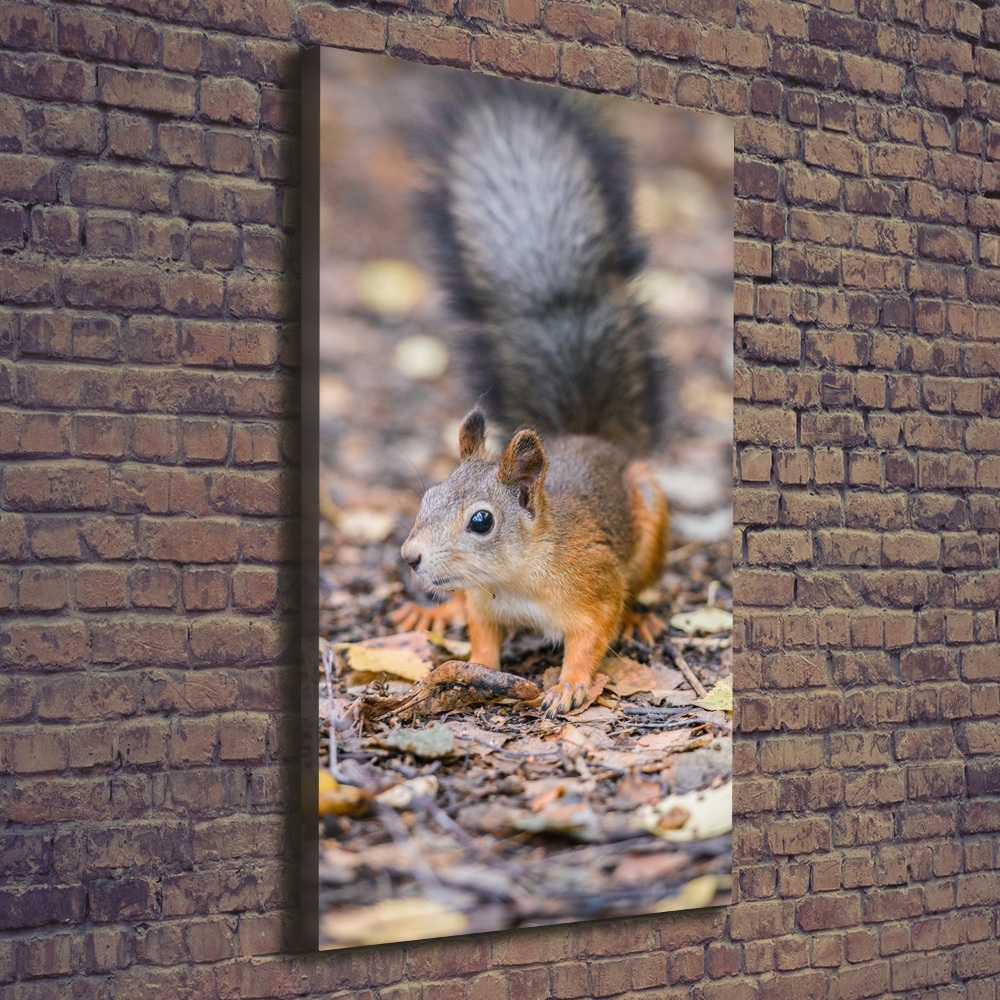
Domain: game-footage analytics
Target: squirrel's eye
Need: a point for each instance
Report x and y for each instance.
(481, 522)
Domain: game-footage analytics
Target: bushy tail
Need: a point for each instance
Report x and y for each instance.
(528, 201)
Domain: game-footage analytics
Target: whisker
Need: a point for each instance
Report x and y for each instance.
(423, 485)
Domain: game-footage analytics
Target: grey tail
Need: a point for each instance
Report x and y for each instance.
(527, 200)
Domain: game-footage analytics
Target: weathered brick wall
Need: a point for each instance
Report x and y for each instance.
(148, 382)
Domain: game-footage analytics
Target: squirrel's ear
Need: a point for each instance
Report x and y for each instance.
(472, 436)
(523, 466)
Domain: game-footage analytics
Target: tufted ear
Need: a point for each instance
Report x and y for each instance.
(523, 466)
(472, 436)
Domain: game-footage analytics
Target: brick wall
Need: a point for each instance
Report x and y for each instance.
(148, 385)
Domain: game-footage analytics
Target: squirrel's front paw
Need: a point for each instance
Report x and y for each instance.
(563, 698)
(410, 616)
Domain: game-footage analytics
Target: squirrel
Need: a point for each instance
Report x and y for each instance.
(528, 204)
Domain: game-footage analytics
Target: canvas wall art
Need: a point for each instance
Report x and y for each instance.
(522, 672)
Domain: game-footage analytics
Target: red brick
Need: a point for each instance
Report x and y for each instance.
(352, 29)
(89, 33)
(27, 26)
(201, 541)
(829, 910)
(47, 76)
(522, 12)
(193, 294)
(853, 982)
(841, 32)
(659, 35)
(147, 90)
(583, 23)
(182, 50)
(599, 69)
(182, 145)
(872, 76)
(101, 588)
(255, 588)
(804, 62)
(755, 920)
(205, 589)
(260, 297)
(528, 57)
(433, 43)
(120, 187)
(229, 100)
(742, 49)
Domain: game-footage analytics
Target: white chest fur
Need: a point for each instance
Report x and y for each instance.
(516, 610)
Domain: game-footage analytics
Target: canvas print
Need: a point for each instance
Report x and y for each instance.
(524, 672)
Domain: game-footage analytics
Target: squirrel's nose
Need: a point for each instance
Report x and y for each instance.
(411, 555)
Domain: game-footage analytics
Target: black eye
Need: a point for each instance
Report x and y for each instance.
(481, 522)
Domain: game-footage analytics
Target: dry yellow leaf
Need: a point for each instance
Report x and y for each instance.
(405, 654)
(698, 892)
(391, 287)
(704, 621)
(401, 796)
(393, 920)
(720, 698)
(697, 815)
(336, 799)
(421, 357)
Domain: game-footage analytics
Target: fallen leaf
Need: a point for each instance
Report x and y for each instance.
(634, 790)
(705, 766)
(698, 892)
(644, 869)
(697, 815)
(597, 715)
(431, 743)
(663, 740)
(704, 621)
(405, 654)
(336, 799)
(546, 798)
(421, 357)
(622, 760)
(577, 739)
(574, 820)
(401, 796)
(459, 648)
(392, 920)
(480, 741)
(720, 698)
(391, 287)
(531, 746)
(364, 527)
(627, 676)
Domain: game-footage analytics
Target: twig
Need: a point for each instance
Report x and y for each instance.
(517, 754)
(402, 838)
(656, 711)
(698, 723)
(689, 675)
(327, 660)
(520, 879)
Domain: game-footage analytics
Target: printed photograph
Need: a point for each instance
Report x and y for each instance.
(525, 536)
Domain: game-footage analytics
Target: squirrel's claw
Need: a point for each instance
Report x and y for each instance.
(642, 625)
(413, 617)
(563, 698)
